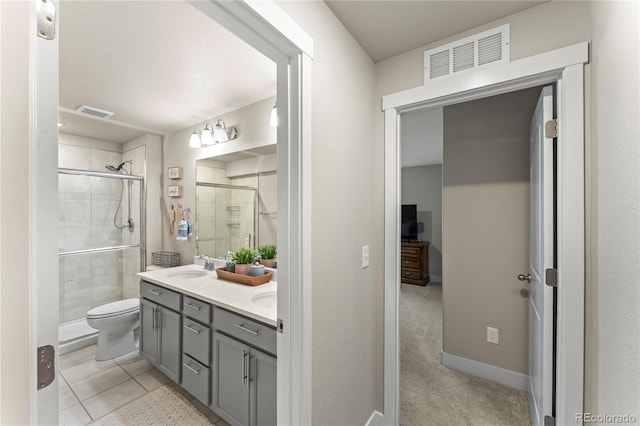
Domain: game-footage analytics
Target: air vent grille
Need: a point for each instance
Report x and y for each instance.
(490, 49)
(463, 57)
(439, 64)
(95, 112)
(484, 49)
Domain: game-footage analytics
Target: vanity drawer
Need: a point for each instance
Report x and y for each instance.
(196, 309)
(250, 331)
(195, 379)
(196, 339)
(161, 295)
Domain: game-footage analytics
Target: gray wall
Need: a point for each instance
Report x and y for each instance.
(611, 174)
(613, 211)
(422, 185)
(347, 347)
(486, 228)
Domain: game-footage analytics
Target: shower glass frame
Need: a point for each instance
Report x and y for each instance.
(253, 238)
(142, 226)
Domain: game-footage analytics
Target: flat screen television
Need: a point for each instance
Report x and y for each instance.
(409, 227)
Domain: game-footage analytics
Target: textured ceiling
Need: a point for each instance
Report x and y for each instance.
(387, 28)
(159, 66)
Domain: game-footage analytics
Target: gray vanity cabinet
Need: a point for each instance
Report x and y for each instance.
(230, 389)
(244, 392)
(263, 397)
(160, 329)
(244, 387)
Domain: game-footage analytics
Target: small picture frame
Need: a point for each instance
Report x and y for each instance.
(174, 172)
(174, 191)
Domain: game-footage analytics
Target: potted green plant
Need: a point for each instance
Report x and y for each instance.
(243, 257)
(268, 253)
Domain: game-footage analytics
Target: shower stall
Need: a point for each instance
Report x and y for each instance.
(101, 245)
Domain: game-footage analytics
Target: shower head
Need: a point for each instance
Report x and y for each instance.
(117, 169)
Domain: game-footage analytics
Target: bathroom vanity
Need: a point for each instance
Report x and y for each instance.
(215, 338)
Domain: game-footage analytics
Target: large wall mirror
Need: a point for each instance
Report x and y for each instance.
(236, 201)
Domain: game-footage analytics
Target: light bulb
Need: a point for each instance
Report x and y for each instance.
(206, 138)
(194, 141)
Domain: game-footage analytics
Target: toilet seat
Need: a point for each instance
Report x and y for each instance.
(119, 307)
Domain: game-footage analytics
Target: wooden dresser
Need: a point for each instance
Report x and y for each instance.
(414, 263)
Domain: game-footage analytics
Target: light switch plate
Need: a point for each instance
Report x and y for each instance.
(493, 335)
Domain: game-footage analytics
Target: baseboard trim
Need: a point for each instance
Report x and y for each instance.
(435, 278)
(486, 371)
(376, 419)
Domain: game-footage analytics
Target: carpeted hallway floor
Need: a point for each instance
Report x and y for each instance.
(434, 395)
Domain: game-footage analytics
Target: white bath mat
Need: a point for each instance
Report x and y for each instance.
(162, 407)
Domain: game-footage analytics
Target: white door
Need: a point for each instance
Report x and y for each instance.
(43, 176)
(541, 319)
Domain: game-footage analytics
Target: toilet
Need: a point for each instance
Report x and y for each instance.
(115, 323)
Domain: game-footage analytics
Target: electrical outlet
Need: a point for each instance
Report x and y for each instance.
(493, 335)
(365, 256)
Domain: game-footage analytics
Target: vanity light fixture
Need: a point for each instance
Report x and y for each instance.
(211, 135)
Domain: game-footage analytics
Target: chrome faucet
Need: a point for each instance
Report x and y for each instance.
(208, 263)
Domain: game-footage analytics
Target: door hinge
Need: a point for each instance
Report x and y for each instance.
(46, 19)
(551, 277)
(551, 129)
(280, 326)
(549, 421)
(46, 366)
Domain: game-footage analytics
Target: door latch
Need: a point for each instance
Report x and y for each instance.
(280, 326)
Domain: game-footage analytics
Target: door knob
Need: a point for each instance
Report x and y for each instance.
(523, 277)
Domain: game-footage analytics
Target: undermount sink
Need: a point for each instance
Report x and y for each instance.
(267, 299)
(187, 275)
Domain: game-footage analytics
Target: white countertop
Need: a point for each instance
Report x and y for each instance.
(226, 294)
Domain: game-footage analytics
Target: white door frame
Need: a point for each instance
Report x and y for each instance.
(565, 68)
(264, 26)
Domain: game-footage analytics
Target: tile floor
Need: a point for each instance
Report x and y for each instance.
(90, 389)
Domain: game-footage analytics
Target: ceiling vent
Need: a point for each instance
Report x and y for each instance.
(94, 112)
(487, 48)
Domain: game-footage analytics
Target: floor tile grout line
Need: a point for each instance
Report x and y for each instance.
(131, 378)
(130, 402)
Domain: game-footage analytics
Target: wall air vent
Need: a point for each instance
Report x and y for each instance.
(94, 112)
(487, 48)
